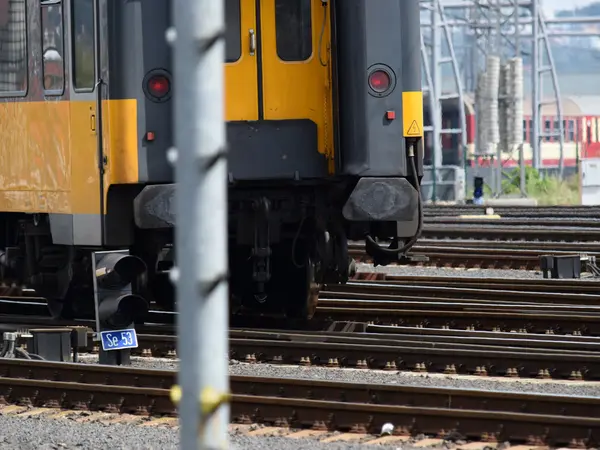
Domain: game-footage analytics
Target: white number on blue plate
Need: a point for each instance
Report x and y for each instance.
(118, 339)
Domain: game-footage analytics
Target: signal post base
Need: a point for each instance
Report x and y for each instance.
(115, 357)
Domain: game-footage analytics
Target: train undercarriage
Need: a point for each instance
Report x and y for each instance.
(283, 246)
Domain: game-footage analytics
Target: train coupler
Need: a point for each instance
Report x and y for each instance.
(383, 257)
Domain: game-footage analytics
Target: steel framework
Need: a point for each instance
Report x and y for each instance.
(503, 28)
(437, 52)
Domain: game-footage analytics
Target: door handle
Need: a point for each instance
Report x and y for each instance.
(93, 122)
(252, 42)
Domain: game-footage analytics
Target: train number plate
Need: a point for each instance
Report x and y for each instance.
(118, 339)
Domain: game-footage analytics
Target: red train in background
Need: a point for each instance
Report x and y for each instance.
(581, 125)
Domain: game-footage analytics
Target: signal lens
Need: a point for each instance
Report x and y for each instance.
(379, 81)
(159, 86)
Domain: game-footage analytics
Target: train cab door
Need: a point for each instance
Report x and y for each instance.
(85, 177)
(277, 74)
(241, 61)
(295, 66)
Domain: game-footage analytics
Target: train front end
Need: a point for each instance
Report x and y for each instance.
(325, 120)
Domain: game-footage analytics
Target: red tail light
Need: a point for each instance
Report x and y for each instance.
(379, 81)
(159, 86)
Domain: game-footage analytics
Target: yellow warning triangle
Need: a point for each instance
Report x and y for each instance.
(414, 129)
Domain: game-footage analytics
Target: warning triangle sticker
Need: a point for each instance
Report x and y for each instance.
(414, 129)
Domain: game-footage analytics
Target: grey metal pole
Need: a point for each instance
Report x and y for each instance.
(535, 87)
(201, 232)
(436, 116)
(522, 185)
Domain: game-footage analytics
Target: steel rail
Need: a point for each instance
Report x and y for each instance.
(591, 286)
(393, 289)
(516, 356)
(538, 245)
(520, 233)
(547, 222)
(481, 318)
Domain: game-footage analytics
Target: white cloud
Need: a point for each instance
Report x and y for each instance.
(552, 5)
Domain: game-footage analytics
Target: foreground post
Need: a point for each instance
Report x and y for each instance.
(201, 223)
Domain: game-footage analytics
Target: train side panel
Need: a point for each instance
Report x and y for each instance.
(35, 154)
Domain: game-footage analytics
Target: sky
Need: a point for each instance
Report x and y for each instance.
(551, 5)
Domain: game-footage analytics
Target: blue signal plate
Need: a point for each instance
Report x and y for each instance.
(118, 339)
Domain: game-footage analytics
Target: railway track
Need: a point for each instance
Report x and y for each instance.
(539, 245)
(489, 326)
(512, 232)
(413, 349)
(325, 406)
(562, 286)
(513, 211)
(487, 254)
(526, 224)
(560, 306)
(462, 314)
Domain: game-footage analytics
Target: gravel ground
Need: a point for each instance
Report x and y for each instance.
(38, 433)
(54, 434)
(557, 387)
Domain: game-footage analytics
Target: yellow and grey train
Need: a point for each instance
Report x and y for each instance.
(325, 120)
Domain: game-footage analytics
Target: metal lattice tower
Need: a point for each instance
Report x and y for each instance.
(498, 31)
(543, 63)
(437, 51)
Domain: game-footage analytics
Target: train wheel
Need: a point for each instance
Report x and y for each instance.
(297, 289)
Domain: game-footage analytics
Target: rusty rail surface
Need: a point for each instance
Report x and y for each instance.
(300, 403)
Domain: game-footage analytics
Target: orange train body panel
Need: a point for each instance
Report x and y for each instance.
(43, 166)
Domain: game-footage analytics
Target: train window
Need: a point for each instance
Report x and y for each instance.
(52, 47)
(547, 130)
(82, 29)
(293, 24)
(13, 47)
(233, 34)
(525, 131)
(556, 131)
(570, 130)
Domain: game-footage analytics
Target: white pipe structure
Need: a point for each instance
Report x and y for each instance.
(201, 222)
